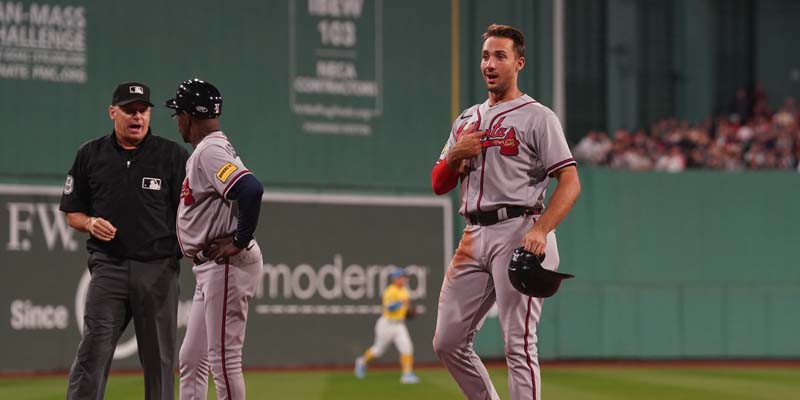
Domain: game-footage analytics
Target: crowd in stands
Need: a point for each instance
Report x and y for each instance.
(749, 137)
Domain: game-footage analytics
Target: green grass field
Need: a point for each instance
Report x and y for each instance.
(570, 383)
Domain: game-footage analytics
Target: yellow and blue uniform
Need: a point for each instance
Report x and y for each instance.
(395, 302)
(391, 328)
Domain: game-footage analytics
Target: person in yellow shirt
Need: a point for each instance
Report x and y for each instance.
(391, 327)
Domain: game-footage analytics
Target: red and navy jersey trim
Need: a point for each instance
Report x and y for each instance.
(233, 181)
(559, 165)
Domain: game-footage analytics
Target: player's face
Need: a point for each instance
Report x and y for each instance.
(131, 121)
(500, 64)
(183, 126)
(400, 281)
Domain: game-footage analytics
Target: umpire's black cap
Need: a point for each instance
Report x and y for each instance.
(129, 92)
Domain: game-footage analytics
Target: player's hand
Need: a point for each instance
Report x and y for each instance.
(535, 240)
(467, 146)
(221, 248)
(101, 228)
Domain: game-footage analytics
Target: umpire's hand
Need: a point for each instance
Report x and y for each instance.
(221, 248)
(100, 228)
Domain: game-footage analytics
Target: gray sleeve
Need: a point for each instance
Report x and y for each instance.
(221, 167)
(451, 140)
(552, 144)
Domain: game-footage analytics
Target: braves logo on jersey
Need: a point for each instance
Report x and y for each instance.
(506, 138)
(186, 193)
(498, 135)
(460, 130)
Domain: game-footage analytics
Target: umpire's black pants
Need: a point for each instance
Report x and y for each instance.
(119, 290)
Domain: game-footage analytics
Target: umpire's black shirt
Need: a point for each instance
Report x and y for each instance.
(136, 190)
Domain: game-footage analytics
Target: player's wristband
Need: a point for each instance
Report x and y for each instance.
(443, 179)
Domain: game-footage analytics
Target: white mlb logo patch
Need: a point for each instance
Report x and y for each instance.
(151, 183)
(136, 89)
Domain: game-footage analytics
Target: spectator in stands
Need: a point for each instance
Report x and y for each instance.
(764, 141)
(637, 160)
(593, 149)
(733, 157)
(787, 114)
(672, 161)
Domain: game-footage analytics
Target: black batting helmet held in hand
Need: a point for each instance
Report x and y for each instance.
(197, 98)
(529, 277)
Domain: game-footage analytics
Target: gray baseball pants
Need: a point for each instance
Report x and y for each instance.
(216, 329)
(477, 278)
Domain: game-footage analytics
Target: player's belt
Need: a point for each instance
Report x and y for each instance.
(501, 214)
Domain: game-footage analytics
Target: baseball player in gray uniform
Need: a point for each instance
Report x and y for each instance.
(504, 152)
(217, 215)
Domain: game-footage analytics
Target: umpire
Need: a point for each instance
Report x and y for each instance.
(123, 189)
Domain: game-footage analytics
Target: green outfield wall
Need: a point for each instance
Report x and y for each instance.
(360, 94)
(327, 260)
(318, 94)
(696, 264)
(690, 265)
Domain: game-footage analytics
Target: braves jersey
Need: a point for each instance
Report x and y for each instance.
(523, 145)
(204, 214)
(393, 294)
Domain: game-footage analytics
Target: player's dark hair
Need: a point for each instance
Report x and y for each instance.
(507, 31)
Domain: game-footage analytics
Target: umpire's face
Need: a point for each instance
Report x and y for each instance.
(131, 122)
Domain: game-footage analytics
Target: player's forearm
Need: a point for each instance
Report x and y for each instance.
(453, 160)
(443, 178)
(564, 197)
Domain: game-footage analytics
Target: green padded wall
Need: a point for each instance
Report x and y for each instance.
(696, 264)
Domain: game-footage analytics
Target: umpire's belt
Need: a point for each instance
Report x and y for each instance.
(501, 214)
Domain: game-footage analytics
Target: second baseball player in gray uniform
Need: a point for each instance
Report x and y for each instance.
(504, 152)
(217, 216)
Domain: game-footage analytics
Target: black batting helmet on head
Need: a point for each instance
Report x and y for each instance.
(529, 277)
(199, 99)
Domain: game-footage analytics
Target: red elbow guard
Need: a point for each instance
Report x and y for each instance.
(443, 179)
